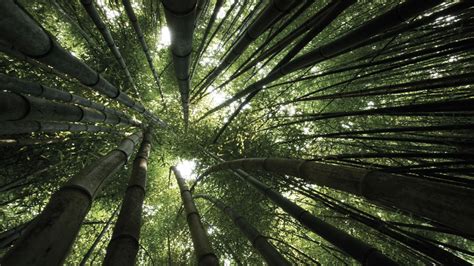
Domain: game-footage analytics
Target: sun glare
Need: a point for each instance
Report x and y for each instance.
(165, 37)
(216, 96)
(186, 168)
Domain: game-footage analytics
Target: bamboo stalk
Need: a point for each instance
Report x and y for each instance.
(24, 127)
(104, 31)
(181, 16)
(98, 238)
(269, 253)
(450, 205)
(17, 107)
(391, 18)
(49, 238)
(265, 19)
(202, 246)
(18, 29)
(27, 87)
(422, 247)
(124, 245)
(138, 31)
(357, 249)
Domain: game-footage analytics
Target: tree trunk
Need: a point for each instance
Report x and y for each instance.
(202, 246)
(124, 245)
(48, 239)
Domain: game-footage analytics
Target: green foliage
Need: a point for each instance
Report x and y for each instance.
(263, 129)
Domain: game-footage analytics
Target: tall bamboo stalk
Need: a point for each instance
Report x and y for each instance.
(38, 90)
(181, 16)
(28, 142)
(124, 245)
(10, 236)
(104, 31)
(396, 16)
(357, 249)
(269, 253)
(138, 31)
(27, 37)
(202, 246)
(428, 249)
(98, 238)
(265, 19)
(23, 127)
(452, 206)
(17, 107)
(49, 238)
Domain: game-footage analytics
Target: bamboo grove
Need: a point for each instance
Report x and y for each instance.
(214, 132)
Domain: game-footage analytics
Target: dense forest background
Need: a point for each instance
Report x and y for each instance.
(392, 98)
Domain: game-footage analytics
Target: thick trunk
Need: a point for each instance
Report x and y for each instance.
(202, 246)
(452, 206)
(24, 127)
(49, 238)
(16, 107)
(181, 16)
(34, 89)
(259, 241)
(124, 245)
(19, 29)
